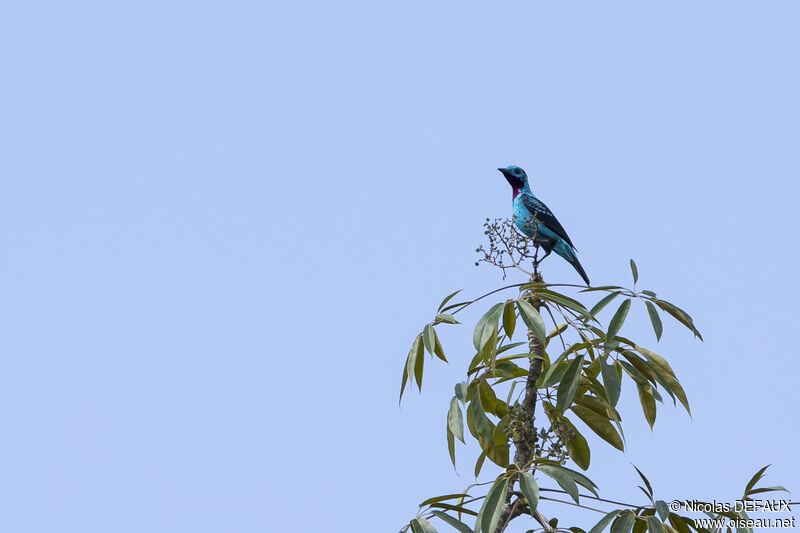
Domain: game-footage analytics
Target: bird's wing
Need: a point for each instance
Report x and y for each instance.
(545, 216)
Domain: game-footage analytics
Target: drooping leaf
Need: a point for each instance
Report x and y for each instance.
(479, 463)
(612, 383)
(600, 425)
(680, 315)
(529, 488)
(662, 366)
(421, 525)
(532, 319)
(654, 525)
(461, 391)
(509, 318)
(603, 523)
(680, 523)
(455, 419)
(437, 347)
(648, 402)
(452, 521)
(658, 328)
(634, 271)
(419, 363)
(428, 339)
(451, 446)
(624, 522)
(498, 452)
(662, 509)
(405, 380)
(485, 325)
(577, 447)
(563, 479)
(618, 320)
(489, 514)
(483, 427)
(569, 384)
(489, 400)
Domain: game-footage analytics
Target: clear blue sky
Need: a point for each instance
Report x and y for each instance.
(223, 224)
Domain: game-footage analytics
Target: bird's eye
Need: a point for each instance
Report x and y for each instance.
(517, 172)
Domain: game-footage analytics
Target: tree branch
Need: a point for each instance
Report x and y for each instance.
(525, 436)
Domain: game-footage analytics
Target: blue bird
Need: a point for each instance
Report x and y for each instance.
(536, 221)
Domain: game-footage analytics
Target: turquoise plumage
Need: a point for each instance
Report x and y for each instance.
(536, 221)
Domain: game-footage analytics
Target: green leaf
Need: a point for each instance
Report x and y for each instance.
(654, 524)
(419, 363)
(483, 427)
(420, 525)
(623, 523)
(498, 452)
(617, 321)
(646, 482)
(509, 318)
(577, 447)
(680, 523)
(776, 488)
(599, 306)
(658, 328)
(602, 288)
(447, 299)
(563, 300)
(569, 384)
(612, 383)
(457, 508)
(532, 319)
(600, 425)
(680, 315)
(451, 446)
(428, 338)
(461, 391)
(405, 380)
(479, 463)
(486, 324)
(662, 367)
(529, 488)
(489, 400)
(492, 507)
(554, 373)
(457, 524)
(662, 509)
(442, 498)
(634, 271)
(446, 318)
(648, 402)
(601, 525)
(755, 479)
(437, 347)
(649, 293)
(563, 479)
(455, 420)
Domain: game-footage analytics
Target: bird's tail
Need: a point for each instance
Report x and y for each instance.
(568, 253)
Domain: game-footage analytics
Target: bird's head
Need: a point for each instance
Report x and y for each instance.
(516, 177)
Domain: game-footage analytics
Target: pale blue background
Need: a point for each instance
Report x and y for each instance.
(223, 223)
